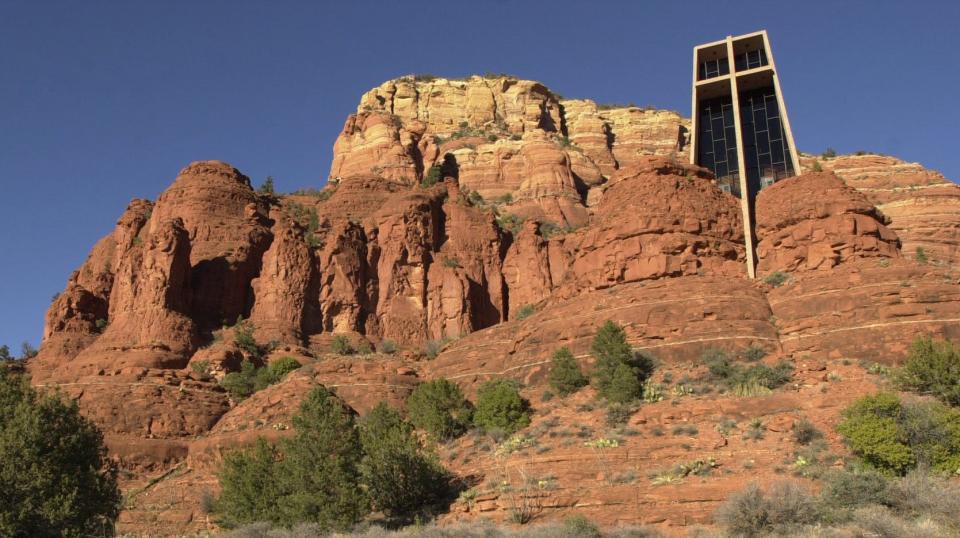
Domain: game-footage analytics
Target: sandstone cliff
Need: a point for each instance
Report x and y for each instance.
(548, 217)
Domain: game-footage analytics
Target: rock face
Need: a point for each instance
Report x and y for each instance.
(816, 221)
(483, 224)
(502, 136)
(922, 205)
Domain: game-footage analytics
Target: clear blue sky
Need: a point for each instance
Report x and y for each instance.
(101, 102)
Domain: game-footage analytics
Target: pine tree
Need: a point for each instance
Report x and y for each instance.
(439, 408)
(619, 372)
(399, 475)
(565, 374)
(320, 471)
(55, 475)
(500, 406)
(313, 477)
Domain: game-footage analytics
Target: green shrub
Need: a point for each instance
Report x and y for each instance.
(921, 256)
(565, 374)
(829, 153)
(619, 413)
(776, 279)
(893, 437)
(250, 485)
(619, 372)
(101, 325)
(432, 177)
(27, 351)
(307, 218)
(580, 527)
(244, 339)
(451, 262)
(201, 367)
(550, 229)
(389, 347)
(399, 475)
(510, 223)
(267, 187)
(282, 366)
(312, 477)
(524, 312)
(341, 345)
(364, 348)
(56, 476)
(754, 353)
(240, 384)
(439, 408)
(932, 368)
(848, 489)
(499, 405)
(5, 353)
(817, 167)
(432, 348)
(252, 379)
(870, 428)
(474, 198)
(745, 380)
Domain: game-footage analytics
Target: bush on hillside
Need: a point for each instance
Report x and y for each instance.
(870, 428)
(439, 408)
(341, 345)
(619, 372)
(565, 374)
(894, 437)
(846, 490)
(776, 279)
(400, 476)
(252, 378)
(753, 512)
(432, 177)
(525, 312)
(499, 406)
(56, 477)
(312, 477)
(932, 368)
(733, 376)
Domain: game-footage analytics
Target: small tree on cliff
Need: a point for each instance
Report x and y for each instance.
(400, 477)
(565, 375)
(500, 406)
(55, 476)
(439, 408)
(313, 477)
(619, 372)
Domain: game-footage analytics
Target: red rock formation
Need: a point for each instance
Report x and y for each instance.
(815, 221)
(227, 231)
(921, 204)
(652, 222)
(280, 292)
(616, 229)
(674, 319)
(867, 309)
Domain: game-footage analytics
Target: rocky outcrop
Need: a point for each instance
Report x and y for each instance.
(280, 292)
(657, 220)
(816, 221)
(870, 309)
(922, 205)
(547, 218)
(502, 137)
(674, 319)
(226, 225)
